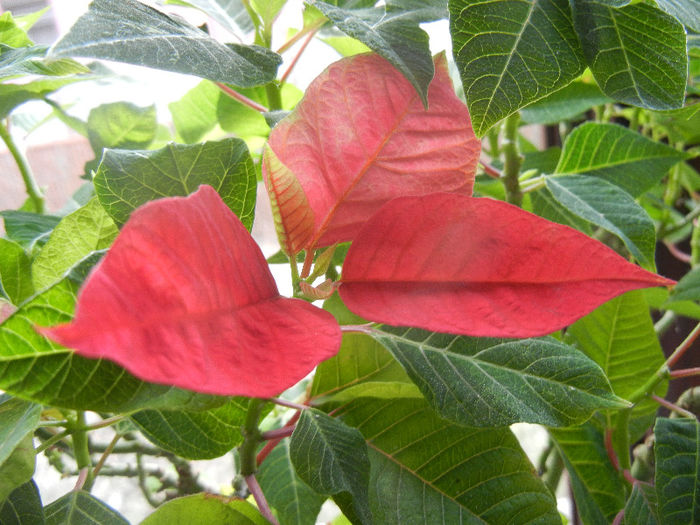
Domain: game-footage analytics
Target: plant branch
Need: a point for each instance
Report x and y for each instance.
(296, 58)
(512, 160)
(685, 372)
(141, 474)
(241, 98)
(257, 493)
(490, 170)
(678, 254)
(33, 190)
(278, 433)
(105, 454)
(270, 445)
(53, 440)
(288, 404)
(251, 437)
(683, 347)
(81, 448)
(301, 34)
(673, 408)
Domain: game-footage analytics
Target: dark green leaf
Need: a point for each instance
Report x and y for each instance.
(35, 368)
(127, 179)
(617, 154)
(688, 288)
(686, 11)
(427, 470)
(84, 231)
(597, 487)
(15, 272)
(564, 104)
(495, 382)
(18, 467)
(545, 205)
(128, 31)
(195, 435)
(11, 34)
(423, 10)
(121, 125)
(231, 14)
(27, 228)
(620, 337)
(637, 52)
(677, 453)
(641, 506)
(23, 506)
(394, 34)
(512, 53)
(608, 206)
(32, 61)
(332, 459)
(17, 419)
(81, 508)
(295, 502)
(205, 509)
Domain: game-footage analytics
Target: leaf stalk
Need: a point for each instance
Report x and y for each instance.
(32, 188)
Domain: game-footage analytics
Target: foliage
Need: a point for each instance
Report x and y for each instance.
(466, 285)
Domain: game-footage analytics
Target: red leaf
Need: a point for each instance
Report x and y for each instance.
(185, 298)
(359, 138)
(481, 267)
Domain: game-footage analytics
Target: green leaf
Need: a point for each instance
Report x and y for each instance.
(597, 487)
(545, 205)
(195, 435)
(608, 206)
(618, 155)
(565, 104)
(332, 459)
(35, 368)
(391, 32)
(13, 95)
(495, 382)
(681, 124)
(620, 337)
(127, 179)
(424, 10)
(27, 228)
(11, 34)
(128, 31)
(33, 61)
(677, 454)
(15, 272)
(231, 14)
(641, 506)
(194, 115)
(121, 125)
(205, 509)
(18, 467)
(427, 470)
(17, 419)
(23, 506)
(511, 53)
(267, 9)
(81, 508)
(688, 288)
(637, 52)
(687, 12)
(85, 230)
(295, 502)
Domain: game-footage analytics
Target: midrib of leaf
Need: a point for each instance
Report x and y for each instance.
(624, 53)
(510, 58)
(355, 381)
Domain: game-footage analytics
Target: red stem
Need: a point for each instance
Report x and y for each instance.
(685, 372)
(681, 256)
(610, 450)
(242, 98)
(270, 445)
(618, 518)
(289, 43)
(490, 170)
(673, 408)
(297, 56)
(278, 433)
(257, 493)
(683, 347)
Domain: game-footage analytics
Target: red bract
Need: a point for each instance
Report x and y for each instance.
(476, 266)
(359, 138)
(186, 298)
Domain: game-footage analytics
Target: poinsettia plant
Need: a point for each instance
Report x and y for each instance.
(441, 291)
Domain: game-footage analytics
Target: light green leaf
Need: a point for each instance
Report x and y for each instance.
(427, 470)
(231, 14)
(11, 34)
(681, 124)
(33, 61)
(23, 506)
(332, 459)
(18, 467)
(685, 11)
(295, 502)
(618, 155)
(391, 32)
(565, 104)
(195, 435)
(598, 489)
(608, 206)
(637, 52)
(375, 389)
(677, 453)
(205, 509)
(194, 115)
(27, 228)
(85, 230)
(620, 337)
(512, 53)
(267, 9)
(641, 506)
(15, 272)
(495, 382)
(688, 288)
(129, 31)
(127, 179)
(35, 368)
(346, 45)
(17, 419)
(13, 95)
(81, 508)
(121, 125)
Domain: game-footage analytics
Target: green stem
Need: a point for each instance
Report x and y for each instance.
(512, 160)
(555, 469)
(33, 190)
(52, 441)
(494, 148)
(81, 449)
(251, 438)
(274, 97)
(695, 245)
